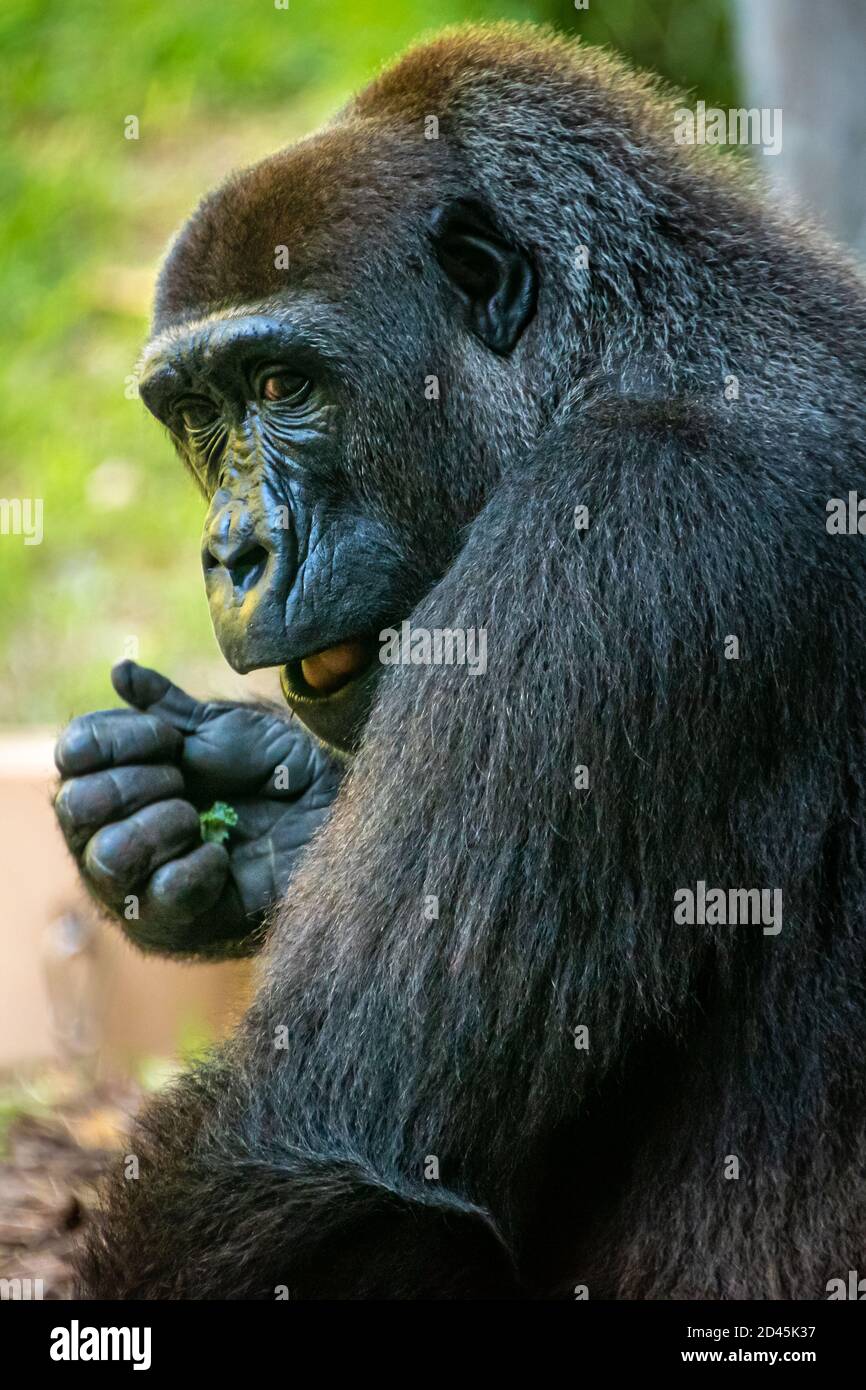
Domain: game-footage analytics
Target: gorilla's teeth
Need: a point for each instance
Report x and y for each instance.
(328, 670)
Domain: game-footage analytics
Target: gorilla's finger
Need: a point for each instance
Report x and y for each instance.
(148, 690)
(127, 852)
(85, 804)
(182, 889)
(115, 736)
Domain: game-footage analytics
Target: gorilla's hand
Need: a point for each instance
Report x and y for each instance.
(134, 783)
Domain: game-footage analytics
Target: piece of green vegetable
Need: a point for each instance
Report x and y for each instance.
(217, 822)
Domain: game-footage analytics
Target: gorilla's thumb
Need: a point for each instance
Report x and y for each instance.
(145, 689)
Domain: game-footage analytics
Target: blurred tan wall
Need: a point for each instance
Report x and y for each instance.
(81, 989)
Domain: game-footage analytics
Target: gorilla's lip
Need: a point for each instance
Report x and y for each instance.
(292, 674)
(336, 717)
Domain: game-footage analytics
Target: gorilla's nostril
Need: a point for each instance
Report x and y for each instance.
(246, 571)
(232, 548)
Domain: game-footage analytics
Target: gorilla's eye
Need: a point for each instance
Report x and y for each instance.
(289, 388)
(196, 412)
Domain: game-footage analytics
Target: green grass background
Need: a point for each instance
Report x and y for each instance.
(84, 217)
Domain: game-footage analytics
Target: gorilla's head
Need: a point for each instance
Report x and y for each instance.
(342, 354)
(355, 338)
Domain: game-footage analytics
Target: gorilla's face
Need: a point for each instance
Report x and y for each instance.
(298, 574)
(326, 426)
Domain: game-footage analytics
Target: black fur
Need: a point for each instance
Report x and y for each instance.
(303, 1166)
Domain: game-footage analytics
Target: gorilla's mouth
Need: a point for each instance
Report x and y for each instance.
(332, 690)
(326, 672)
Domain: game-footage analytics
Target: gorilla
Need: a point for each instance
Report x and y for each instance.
(493, 353)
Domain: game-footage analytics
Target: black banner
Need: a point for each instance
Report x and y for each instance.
(82, 1338)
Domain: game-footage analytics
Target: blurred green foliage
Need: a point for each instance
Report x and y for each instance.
(84, 215)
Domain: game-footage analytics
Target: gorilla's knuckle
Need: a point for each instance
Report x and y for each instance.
(111, 857)
(173, 816)
(75, 747)
(170, 895)
(164, 736)
(64, 806)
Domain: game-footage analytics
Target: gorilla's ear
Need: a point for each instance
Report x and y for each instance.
(496, 280)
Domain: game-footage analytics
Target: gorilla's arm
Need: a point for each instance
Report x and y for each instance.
(134, 782)
(385, 1123)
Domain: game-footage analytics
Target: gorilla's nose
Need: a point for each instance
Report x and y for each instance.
(230, 541)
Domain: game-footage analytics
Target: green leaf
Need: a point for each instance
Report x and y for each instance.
(217, 822)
